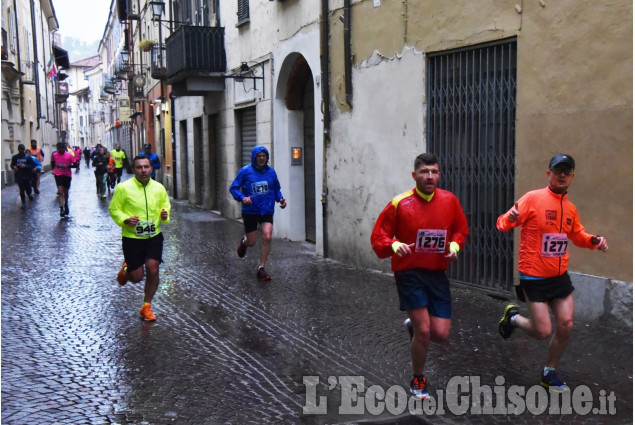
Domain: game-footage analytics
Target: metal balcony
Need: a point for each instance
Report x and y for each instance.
(61, 94)
(158, 69)
(196, 60)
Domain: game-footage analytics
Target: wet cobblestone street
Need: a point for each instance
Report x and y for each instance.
(228, 349)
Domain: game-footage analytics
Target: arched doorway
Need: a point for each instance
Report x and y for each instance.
(300, 98)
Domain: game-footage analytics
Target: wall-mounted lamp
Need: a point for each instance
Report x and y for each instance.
(296, 156)
(125, 56)
(157, 9)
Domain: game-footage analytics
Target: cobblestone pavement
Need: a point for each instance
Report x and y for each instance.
(229, 349)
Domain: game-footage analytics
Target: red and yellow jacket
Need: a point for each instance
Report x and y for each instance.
(547, 220)
(433, 224)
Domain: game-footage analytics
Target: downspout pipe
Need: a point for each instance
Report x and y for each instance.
(326, 112)
(17, 39)
(36, 74)
(348, 79)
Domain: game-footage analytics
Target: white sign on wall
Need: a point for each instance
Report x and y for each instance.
(247, 90)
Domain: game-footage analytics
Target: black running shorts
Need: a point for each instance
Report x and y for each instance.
(545, 290)
(251, 221)
(136, 251)
(63, 181)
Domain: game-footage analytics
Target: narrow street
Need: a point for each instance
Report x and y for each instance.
(228, 349)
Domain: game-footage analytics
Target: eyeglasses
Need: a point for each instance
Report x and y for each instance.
(566, 171)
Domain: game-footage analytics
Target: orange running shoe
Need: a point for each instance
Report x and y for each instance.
(147, 314)
(122, 276)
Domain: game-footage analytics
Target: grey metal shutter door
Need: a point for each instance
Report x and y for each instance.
(247, 134)
(471, 128)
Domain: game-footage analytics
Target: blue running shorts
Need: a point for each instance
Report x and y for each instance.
(424, 288)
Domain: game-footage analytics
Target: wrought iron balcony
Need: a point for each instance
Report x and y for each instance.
(195, 51)
(158, 69)
(61, 94)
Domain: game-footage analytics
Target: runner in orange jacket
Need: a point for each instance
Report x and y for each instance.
(547, 220)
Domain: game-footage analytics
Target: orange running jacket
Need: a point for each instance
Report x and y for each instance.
(547, 220)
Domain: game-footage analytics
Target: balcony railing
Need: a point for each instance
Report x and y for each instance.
(195, 51)
(61, 94)
(158, 69)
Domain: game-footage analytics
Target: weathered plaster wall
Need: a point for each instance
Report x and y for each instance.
(372, 151)
(574, 94)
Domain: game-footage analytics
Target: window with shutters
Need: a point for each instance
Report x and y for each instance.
(187, 12)
(243, 12)
(12, 32)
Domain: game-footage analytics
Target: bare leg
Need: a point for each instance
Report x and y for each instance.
(426, 328)
(267, 230)
(563, 311)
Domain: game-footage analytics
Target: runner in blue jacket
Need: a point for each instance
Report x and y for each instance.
(257, 187)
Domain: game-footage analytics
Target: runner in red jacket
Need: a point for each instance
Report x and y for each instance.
(547, 220)
(422, 230)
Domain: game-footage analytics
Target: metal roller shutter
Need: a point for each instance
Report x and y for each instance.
(248, 137)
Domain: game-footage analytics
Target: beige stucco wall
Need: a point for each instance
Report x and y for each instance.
(574, 94)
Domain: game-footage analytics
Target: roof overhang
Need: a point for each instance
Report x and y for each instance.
(61, 57)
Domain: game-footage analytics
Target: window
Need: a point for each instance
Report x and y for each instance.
(187, 12)
(12, 31)
(243, 12)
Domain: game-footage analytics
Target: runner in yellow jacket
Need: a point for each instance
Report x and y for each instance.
(139, 205)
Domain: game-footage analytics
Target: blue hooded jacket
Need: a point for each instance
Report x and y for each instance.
(262, 185)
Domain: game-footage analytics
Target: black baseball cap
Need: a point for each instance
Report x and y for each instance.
(562, 158)
(147, 146)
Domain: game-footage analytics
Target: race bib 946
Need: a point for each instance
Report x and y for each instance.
(554, 244)
(431, 241)
(146, 228)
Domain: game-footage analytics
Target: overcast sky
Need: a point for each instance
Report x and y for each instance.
(82, 19)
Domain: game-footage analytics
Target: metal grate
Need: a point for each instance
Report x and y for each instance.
(471, 128)
(196, 49)
(248, 134)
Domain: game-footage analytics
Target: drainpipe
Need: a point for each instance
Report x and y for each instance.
(17, 39)
(348, 79)
(326, 96)
(36, 74)
(173, 139)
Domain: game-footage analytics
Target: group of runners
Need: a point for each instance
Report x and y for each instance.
(425, 228)
(421, 230)
(140, 205)
(109, 166)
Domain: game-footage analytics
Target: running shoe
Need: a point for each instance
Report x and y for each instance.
(147, 314)
(262, 274)
(30, 197)
(418, 386)
(553, 383)
(505, 326)
(122, 276)
(66, 212)
(242, 249)
(37, 191)
(61, 211)
(408, 324)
